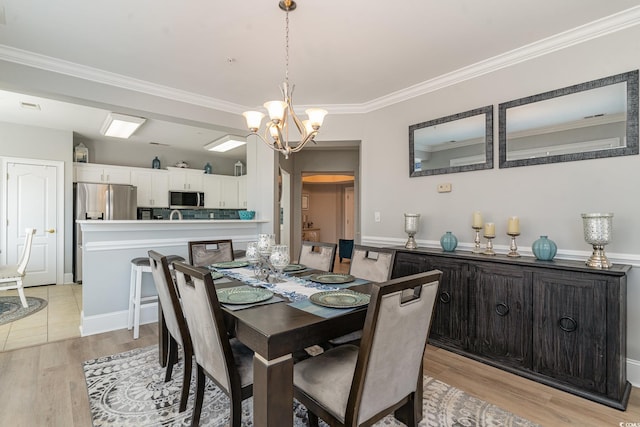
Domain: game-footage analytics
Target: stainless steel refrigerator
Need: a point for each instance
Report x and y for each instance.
(100, 202)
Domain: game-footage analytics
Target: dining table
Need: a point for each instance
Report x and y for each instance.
(277, 330)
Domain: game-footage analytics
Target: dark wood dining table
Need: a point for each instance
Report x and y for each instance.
(275, 332)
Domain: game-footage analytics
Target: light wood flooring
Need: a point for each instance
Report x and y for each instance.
(60, 319)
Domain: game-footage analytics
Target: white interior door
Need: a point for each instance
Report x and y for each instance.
(32, 203)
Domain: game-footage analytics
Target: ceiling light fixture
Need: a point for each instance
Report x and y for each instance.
(276, 133)
(121, 126)
(226, 143)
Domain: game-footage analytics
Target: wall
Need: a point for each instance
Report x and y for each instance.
(44, 144)
(548, 198)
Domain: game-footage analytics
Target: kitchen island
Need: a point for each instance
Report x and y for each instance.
(109, 247)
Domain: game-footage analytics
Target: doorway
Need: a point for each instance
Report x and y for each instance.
(34, 199)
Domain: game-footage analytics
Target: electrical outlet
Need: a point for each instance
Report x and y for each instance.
(376, 216)
(444, 188)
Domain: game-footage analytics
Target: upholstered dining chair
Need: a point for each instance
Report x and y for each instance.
(369, 263)
(353, 386)
(174, 321)
(206, 252)
(318, 255)
(227, 362)
(14, 273)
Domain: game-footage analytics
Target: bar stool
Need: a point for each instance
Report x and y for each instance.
(136, 300)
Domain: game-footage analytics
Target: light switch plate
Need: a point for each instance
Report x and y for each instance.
(444, 188)
(376, 216)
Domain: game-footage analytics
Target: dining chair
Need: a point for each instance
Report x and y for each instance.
(318, 255)
(14, 273)
(227, 362)
(207, 252)
(369, 263)
(174, 321)
(352, 386)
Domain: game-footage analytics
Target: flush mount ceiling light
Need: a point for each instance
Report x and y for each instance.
(276, 133)
(121, 126)
(226, 143)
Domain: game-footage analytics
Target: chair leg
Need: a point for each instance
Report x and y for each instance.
(132, 289)
(186, 378)
(173, 358)
(197, 406)
(313, 419)
(136, 304)
(23, 300)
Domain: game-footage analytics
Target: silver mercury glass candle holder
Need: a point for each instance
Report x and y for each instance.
(513, 248)
(597, 232)
(489, 249)
(477, 249)
(411, 222)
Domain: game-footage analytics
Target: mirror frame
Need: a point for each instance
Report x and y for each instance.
(631, 148)
(488, 163)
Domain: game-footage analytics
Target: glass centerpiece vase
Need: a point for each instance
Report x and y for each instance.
(279, 259)
(411, 223)
(598, 228)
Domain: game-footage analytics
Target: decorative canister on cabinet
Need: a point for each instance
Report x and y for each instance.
(155, 164)
(207, 168)
(544, 248)
(448, 241)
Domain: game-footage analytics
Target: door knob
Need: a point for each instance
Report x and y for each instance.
(51, 230)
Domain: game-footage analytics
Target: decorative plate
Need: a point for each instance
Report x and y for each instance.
(345, 298)
(243, 295)
(295, 267)
(230, 264)
(331, 278)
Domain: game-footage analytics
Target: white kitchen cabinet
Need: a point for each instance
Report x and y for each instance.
(92, 172)
(221, 192)
(242, 191)
(183, 179)
(153, 187)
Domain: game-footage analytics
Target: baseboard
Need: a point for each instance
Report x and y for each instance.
(91, 325)
(633, 372)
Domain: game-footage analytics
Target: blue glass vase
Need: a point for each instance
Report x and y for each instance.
(448, 241)
(544, 248)
(207, 168)
(155, 164)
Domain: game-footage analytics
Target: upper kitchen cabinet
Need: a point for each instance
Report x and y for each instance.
(183, 179)
(242, 191)
(221, 192)
(153, 187)
(91, 172)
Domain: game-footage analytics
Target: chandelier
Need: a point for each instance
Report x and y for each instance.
(282, 113)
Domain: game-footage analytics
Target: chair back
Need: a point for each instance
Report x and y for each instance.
(369, 263)
(393, 342)
(206, 252)
(318, 255)
(26, 250)
(169, 300)
(206, 325)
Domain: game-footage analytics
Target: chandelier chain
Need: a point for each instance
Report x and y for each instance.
(286, 69)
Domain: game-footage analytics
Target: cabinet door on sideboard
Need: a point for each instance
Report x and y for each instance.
(449, 324)
(570, 329)
(500, 314)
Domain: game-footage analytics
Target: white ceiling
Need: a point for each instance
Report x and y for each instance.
(344, 55)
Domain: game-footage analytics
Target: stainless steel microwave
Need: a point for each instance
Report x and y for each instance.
(186, 199)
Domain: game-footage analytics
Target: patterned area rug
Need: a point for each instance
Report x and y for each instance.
(11, 308)
(128, 389)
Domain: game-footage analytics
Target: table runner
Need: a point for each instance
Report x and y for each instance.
(297, 289)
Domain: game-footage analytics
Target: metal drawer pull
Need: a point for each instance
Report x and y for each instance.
(502, 309)
(445, 297)
(567, 324)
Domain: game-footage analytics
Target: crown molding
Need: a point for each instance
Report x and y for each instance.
(593, 30)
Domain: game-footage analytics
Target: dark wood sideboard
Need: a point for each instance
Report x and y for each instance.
(557, 322)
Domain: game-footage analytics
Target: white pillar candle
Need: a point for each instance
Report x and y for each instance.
(513, 225)
(477, 220)
(490, 229)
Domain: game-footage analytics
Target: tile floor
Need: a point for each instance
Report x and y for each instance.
(59, 320)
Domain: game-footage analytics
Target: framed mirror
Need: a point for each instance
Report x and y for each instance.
(586, 121)
(457, 143)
